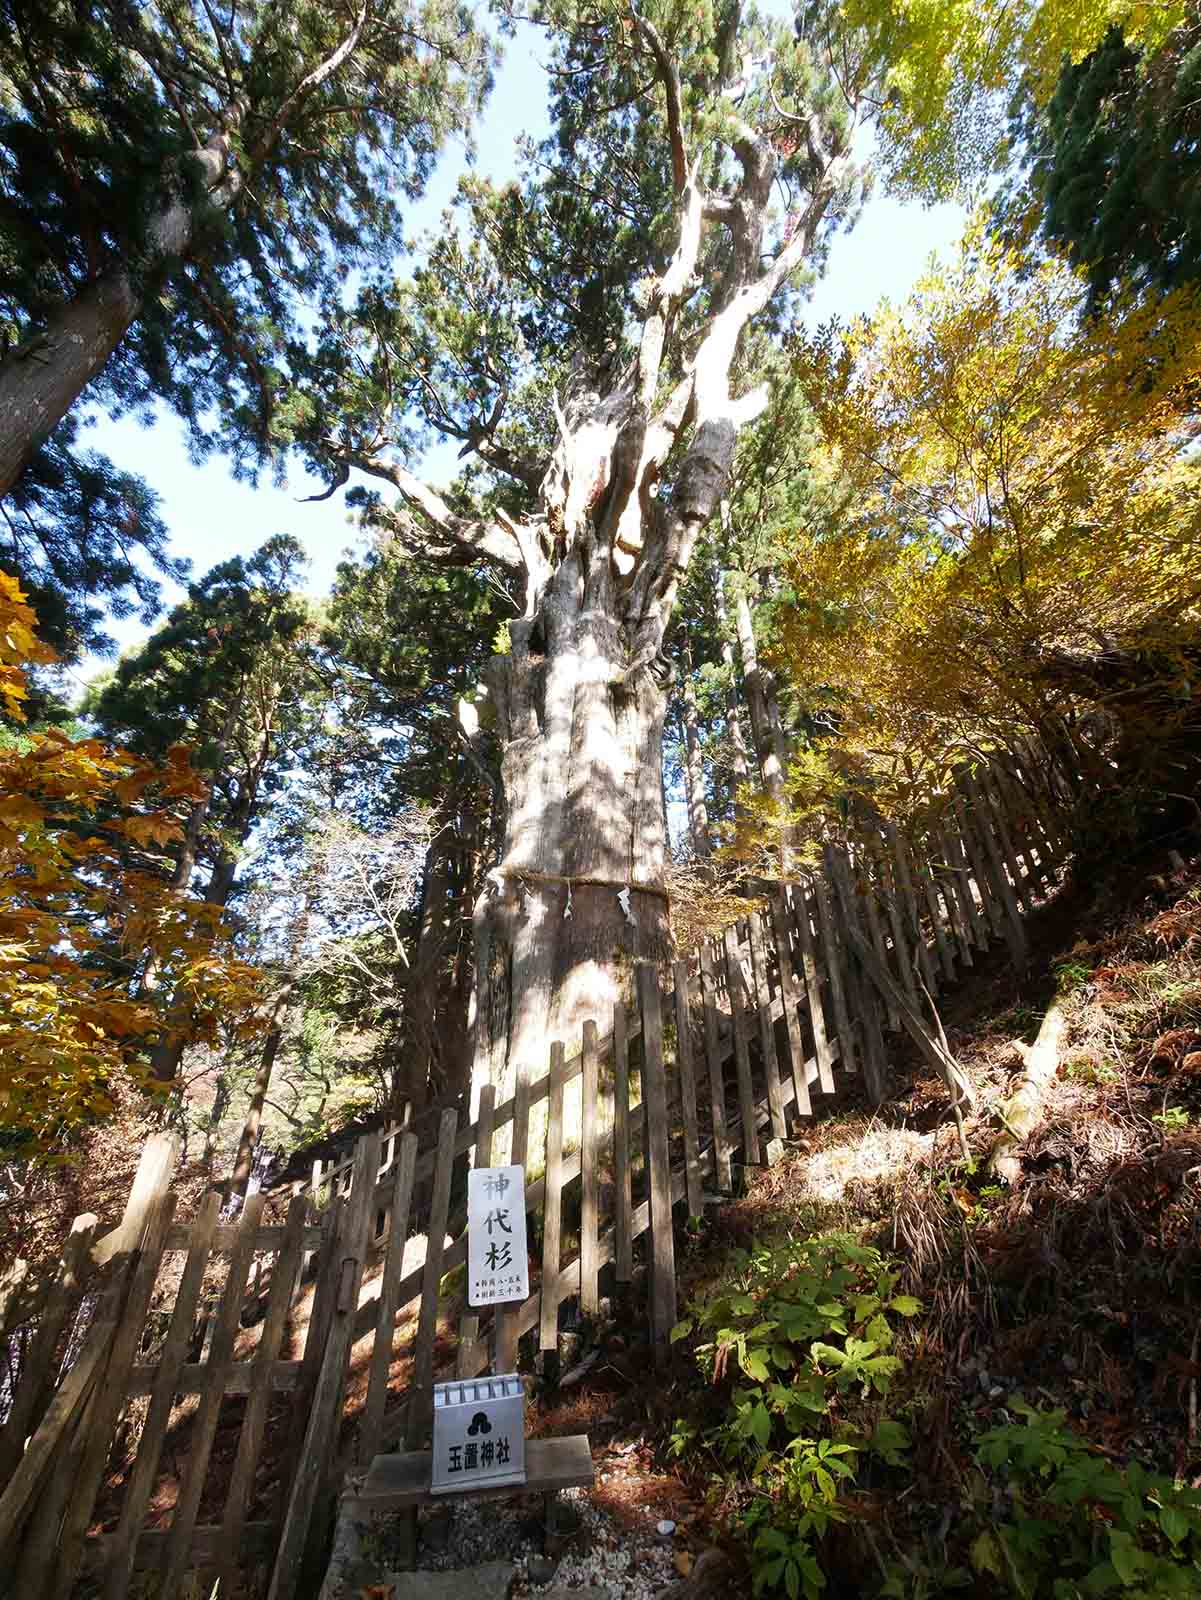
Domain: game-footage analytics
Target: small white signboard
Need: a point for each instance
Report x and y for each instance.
(479, 1434)
(498, 1264)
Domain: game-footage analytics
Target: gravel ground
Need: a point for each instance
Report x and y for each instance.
(622, 1562)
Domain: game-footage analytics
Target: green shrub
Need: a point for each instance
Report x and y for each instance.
(1079, 1525)
(799, 1335)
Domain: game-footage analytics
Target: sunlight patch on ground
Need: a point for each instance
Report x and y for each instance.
(878, 1153)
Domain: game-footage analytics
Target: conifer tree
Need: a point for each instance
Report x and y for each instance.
(177, 180)
(583, 334)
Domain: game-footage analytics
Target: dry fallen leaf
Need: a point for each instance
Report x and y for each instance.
(683, 1563)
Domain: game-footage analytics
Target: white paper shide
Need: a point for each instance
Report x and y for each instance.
(498, 1267)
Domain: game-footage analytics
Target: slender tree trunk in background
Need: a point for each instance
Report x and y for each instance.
(437, 1053)
(43, 378)
(771, 768)
(166, 1057)
(243, 1165)
(739, 766)
(413, 1080)
(694, 774)
(216, 1115)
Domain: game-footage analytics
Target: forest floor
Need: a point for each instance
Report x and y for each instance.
(1076, 1289)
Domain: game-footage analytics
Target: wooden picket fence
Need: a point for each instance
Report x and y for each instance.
(200, 1369)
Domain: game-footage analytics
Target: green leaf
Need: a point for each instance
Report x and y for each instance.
(889, 1436)
(985, 1554)
(1174, 1523)
(905, 1305)
(754, 1365)
(760, 1424)
(1123, 1553)
(681, 1330)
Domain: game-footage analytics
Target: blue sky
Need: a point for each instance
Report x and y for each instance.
(212, 517)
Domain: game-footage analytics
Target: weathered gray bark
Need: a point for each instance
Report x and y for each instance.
(578, 895)
(42, 379)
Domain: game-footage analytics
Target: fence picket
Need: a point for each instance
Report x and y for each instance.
(994, 806)
(421, 1387)
(552, 1206)
(925, 874)
(506, 1321)
(902, 939)
(692, 1163)
(952, 893)
(791, 1000)
(875, 1070)
(767, 1029)
(833, 957)
(624, 1195)
(875, 927)
(589, 1106)
(736, 987)
(254, 1420)
(310, 1492)
(799, 899)
(1014, 931)
(371, 1429)
(722, 1175)
(177, 1555)
(654, 1092)
(109, 1397)
(33, 1388)
(123, 1550)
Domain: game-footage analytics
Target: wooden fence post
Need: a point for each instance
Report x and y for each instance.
(790, 1000)
(552, 1211)
(692, 1163)
(303, 1518)
(589, 1149)
(717, 1083)
(371, 1429)
(737, 988)
(654, 1089)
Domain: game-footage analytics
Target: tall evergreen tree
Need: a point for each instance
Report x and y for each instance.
(72, 531)
(174, 181)
(1116, 163)
(607, 406)
(227, 674)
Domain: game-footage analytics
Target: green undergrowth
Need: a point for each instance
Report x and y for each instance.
(810, 1358)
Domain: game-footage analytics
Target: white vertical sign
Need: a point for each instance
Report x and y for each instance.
(498, 1264)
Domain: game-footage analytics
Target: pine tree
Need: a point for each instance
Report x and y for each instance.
(178, 181)
(1116, 163)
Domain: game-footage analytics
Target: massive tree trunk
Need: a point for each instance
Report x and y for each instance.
(43, 377)
(578, 895)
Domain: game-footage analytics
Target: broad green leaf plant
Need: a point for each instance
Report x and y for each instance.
(800, 1335)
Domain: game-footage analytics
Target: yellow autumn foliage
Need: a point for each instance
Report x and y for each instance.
(1014, 491)
(951, 69)
(81, 914)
